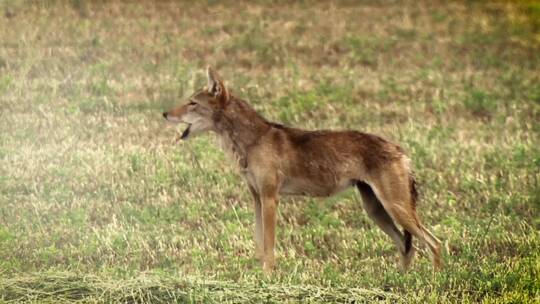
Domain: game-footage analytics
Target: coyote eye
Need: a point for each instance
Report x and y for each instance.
(192, 103)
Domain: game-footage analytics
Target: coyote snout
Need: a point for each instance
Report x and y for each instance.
(276, 159)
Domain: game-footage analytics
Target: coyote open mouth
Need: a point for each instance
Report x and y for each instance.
(185, 134)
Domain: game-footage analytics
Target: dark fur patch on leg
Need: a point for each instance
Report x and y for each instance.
(408, 241)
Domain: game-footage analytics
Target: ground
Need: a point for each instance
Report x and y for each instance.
(99, 203)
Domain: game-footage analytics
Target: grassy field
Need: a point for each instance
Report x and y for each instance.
(99, 204)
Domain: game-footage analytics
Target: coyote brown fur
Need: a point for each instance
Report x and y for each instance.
(278, 160)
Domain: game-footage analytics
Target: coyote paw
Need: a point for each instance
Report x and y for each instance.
(258, 255)
(268, 266)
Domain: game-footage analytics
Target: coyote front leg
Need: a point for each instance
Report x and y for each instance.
(258, 233)
(269, 209)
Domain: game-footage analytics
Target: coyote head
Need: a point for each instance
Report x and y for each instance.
(201, 109)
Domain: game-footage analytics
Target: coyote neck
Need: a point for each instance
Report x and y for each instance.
(239, 127)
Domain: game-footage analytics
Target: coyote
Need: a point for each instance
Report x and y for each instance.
(275, 159)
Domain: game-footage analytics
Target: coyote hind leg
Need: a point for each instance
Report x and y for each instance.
(395, 195)
(378, 214)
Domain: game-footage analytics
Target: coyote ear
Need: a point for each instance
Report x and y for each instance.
(216, 86)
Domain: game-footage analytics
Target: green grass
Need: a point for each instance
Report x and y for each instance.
(98, 203)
